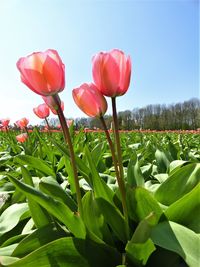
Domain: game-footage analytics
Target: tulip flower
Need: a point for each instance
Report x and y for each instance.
(90, 100)
(22, 137)
(50, 101)
(43, 72)
(22, 123)
(42, 111)
(69, 122)
(5, 122)
(111, 72)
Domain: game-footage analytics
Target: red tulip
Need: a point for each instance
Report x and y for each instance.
(22, 137)
(111, 72)
(43, 72)
(49, 100)
(90, 100)
(42, 111)
(5, 122)
(22, 123)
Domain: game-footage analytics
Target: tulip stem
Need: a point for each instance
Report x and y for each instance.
(47, 123)
(112, 149)
(121, 171)
(71, 151)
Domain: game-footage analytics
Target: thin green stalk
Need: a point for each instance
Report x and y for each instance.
(71, 151)
(121, 171)
(47, 123)
(112, 149)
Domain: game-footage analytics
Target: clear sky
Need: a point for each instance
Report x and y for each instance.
(162, 38)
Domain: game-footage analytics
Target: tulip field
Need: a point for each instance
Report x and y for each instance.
(39, 224)
(103, 198)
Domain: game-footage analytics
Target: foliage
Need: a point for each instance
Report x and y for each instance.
(39, 223)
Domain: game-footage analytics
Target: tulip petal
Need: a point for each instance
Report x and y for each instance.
(53, 74)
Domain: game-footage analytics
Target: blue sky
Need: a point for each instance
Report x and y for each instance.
(162, 38)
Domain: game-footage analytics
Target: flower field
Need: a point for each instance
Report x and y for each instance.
(39, 224)
(104, 198)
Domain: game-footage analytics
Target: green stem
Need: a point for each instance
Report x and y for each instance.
(121, 171)
(71, 151)
(112, 149)
(47, 123)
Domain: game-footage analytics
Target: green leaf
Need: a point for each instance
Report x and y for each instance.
(56, 208)
(71, 252)
(178, 184)
(140, 247)
(82, 167)
(179, 239)
(141, 203)
(94, 219)
(134, 174)
(7, 251)
(185, 211)
(99, 186)
(38, 238)
(11, 216)
(162, 161)
(35, 163)
(38, 214)
(113, 217)
(51, 187)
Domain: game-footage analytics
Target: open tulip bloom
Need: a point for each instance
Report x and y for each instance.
(43, 72)
(111, 72)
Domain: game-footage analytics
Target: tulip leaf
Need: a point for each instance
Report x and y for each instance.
(11, 216)
(54, 207)
(35, 163)
(71, 252)
(178, 184)
(179, 239)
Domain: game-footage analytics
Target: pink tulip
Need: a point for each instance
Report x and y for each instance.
(43, 72)
(90, 100)
(22, 123)
(69, 122)
(5, 122)
(42, 111)
(49, 100)
(22, 137)
(111, 72)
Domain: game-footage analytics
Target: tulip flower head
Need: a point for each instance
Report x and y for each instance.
(22, 137)
(111, 72)
(43, 72)
(49, 100)
(90, 100)
(22, 123)
(5, 122)
(42, 111)
(69, 122)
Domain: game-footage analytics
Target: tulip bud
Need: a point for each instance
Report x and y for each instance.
(42, 111)
(50, 101)
(22, 137)
(90, 100)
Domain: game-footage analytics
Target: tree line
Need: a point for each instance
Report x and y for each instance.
(178, 116)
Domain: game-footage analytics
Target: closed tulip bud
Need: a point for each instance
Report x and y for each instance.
(50, 101)
(22, 137)
(5, 122)
(111, 72)
(42, 111)
(22, 123)
(90, 100)
(43, 72)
